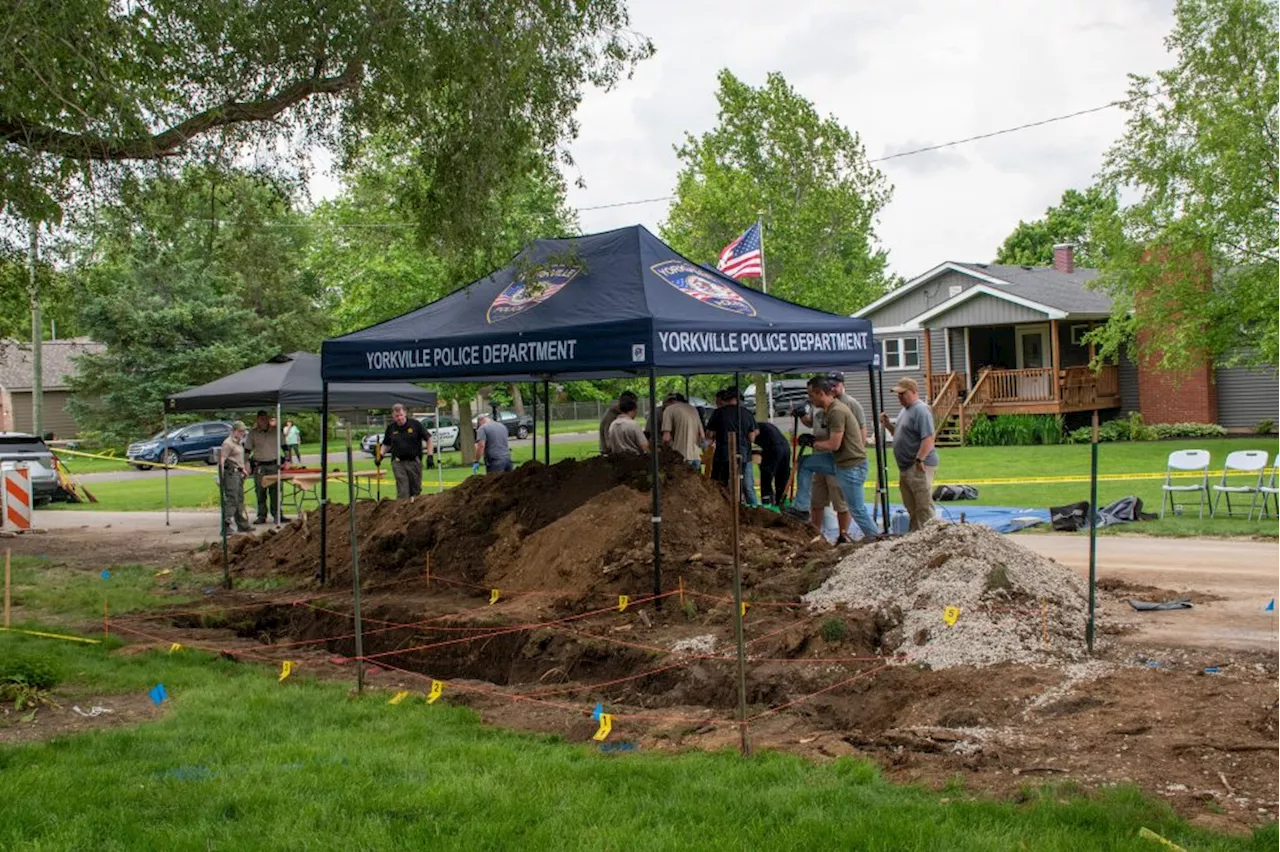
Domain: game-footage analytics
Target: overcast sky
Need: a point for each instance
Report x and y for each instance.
(902, 74)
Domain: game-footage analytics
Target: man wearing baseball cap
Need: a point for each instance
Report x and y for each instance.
(913, 440)
(818, 489)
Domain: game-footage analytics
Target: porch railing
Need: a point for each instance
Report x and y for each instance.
(946, 397)
(1030, 385)
(1081, 386)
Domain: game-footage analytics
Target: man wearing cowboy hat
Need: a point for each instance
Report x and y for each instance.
(913, 440)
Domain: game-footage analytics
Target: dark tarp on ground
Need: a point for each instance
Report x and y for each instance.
(613, 304)
(293, 381)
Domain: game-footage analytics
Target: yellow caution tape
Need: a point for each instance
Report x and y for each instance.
(1147, 834)
(606, 725)
(437, 689)
(52, 635)
(286, 669)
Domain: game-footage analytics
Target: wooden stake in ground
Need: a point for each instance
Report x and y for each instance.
(735, 486)
(355, 564)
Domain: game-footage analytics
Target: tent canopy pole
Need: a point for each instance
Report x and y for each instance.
(324, 478)
(654, 472)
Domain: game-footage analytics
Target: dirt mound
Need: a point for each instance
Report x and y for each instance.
(570, 529)
(1014, 605)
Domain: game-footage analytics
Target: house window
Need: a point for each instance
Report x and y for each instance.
(1078, 332)
(901, 353)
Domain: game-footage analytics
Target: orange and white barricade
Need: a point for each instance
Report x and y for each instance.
(17, 498)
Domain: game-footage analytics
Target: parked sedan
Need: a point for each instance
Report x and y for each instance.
(184, 443)
(16, 447)
(519, 426)
(443, 437)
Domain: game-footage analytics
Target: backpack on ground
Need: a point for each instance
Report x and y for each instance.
(1070, 518)
(945, 493)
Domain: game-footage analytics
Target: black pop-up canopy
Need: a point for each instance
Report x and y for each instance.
(292, 382)
(619, 303)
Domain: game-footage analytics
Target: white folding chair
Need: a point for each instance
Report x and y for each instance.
(1250, 462)
(1186, 460)
(1270, 491)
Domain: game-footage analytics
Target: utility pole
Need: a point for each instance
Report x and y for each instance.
(37, 376)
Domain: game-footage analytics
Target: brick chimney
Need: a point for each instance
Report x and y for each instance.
(1064, 259)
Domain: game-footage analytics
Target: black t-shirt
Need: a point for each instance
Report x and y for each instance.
(771, 440)
(405, 442)
(731, 418)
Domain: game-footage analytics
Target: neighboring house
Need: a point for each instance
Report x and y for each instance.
(57, 364)
(988, 339)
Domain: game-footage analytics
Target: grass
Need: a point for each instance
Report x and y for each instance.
(959, 465)
(241, 761)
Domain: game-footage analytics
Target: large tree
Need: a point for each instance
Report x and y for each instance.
(772, 154)
(93, 88)
(1076, 219)
(1193, 266)
(184, 280)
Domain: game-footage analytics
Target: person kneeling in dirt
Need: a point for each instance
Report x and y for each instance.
(234, 469)
(847, 460)
(491, 445)
(625, 435)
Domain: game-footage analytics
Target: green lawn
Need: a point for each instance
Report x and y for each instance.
(241, 761)
(959, 465)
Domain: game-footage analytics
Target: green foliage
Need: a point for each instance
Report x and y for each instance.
(1132, 428)
(1075, 220)
(95, 90)
(1011, 430)
(834, 629)
(34, 670)
(1193, 263)
(809, 177)
(1264, 427)
(185, 280)
(59, 301)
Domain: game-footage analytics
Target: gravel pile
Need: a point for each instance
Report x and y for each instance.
(1014, 605)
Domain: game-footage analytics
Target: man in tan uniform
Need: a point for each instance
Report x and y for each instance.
(264, 450)
(233, 469)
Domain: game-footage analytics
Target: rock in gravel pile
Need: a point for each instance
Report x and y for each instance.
(1015, 605)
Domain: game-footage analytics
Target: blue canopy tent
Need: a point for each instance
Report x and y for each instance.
(619, 303)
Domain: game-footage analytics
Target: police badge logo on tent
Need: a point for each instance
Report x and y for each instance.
(516, 297)
(697, 284)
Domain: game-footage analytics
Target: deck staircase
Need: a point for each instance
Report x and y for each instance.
(952, 414)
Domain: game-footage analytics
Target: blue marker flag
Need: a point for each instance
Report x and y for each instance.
(158, 694)
(595, 714)
(106, 575)
(1271, 607)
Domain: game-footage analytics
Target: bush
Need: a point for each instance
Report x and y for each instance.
(834, 629)
(32, 671)
(1264, 427)
(1015, 430)
(1133, 429)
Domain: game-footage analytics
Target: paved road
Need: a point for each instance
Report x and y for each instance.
(1241, 572)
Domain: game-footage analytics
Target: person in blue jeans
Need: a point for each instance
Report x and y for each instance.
(805, 478)
(845, 458)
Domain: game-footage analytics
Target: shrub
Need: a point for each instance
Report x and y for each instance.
(33, 671)
(1015, 430)
(1188, 430)
(1264, 427)
(834, 629)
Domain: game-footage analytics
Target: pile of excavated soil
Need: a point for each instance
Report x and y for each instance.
(571, 529)
(1014, 605)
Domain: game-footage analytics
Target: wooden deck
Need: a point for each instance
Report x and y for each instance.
(1031, 391)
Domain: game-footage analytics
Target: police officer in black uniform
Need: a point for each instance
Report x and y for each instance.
(404, 441)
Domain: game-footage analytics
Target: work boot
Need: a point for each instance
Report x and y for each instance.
(797, 513)
(283, 519)
(259, 521)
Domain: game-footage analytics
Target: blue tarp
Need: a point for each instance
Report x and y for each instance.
(617, 303)
(1003, 519)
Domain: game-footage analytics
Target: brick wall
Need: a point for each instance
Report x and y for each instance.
(1175, 396)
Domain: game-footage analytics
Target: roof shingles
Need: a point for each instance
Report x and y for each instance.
(56, 362)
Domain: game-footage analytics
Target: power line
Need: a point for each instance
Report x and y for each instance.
(912, 152)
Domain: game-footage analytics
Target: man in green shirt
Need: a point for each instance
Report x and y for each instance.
(846, 461)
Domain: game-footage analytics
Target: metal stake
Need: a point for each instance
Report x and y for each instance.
(735, 477)
(1093, 530)
(355, 564)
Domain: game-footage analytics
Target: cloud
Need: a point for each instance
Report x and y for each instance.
(900, 75)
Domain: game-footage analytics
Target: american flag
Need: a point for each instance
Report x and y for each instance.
(743, 258)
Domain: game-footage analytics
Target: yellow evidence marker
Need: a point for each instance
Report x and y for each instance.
(606, 725)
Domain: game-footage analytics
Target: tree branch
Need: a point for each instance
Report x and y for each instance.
(91, 146)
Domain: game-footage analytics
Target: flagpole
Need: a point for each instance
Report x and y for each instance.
(764, 286)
